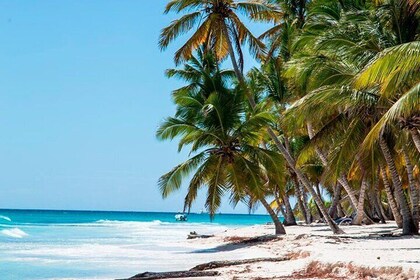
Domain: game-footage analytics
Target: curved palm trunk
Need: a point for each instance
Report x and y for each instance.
(279, 227)
(360, 206)
(408, 223)
(416, 138)
(414, 193)
(334, 227)
(342, 179)
(290, 217)
(305, 182)
(392, 204)
(349, 190)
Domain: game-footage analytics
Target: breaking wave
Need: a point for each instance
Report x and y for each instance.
(14, 232)
(5, 218)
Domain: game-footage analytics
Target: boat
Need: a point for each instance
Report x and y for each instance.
(181, 217)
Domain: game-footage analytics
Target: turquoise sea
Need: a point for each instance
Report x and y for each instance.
(41, 244)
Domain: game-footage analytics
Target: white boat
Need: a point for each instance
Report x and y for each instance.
(181, 217)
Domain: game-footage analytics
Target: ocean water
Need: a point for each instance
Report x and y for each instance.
(39, 244)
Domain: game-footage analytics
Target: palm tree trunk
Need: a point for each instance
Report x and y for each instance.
(349, 190)
(282, 212)
(336, 200)
(391, 201)
(306, 183)
(374, 197)
(340, 211)
(360, 206)
(302, 178)
(303, 207)
(342, 179)
(414, 193)
(377, 196)
(318, 191)
(381, 208)
(375, 207)
(408, 223)
(278, 226)
(276, 197)
(290, 218)
(305, 203)
(416, 138)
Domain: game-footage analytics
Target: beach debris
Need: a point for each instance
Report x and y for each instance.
(341, 270)
(247, 240)
(218, 264)
(385, 234)
(295, 255)
(173, 274)
(202, 270)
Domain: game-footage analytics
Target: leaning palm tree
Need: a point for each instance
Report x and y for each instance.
(220, 30)
(342, 45)
(397, 71)
(212, 119)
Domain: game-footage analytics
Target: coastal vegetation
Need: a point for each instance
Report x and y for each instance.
(330, 116)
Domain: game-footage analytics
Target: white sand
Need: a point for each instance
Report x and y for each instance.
(312, 243)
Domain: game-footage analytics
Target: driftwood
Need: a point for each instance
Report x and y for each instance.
(173, 274)
(247, 240)
(218, 264)
(201, 269)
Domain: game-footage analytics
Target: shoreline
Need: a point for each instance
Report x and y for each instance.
(310, 252)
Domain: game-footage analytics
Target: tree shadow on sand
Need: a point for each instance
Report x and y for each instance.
(237, 242)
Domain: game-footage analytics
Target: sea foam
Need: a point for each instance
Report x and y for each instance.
(14, 232)
(5, 218)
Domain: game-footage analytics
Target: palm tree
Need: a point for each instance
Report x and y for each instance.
(220, 30)
(212, 119)
(218, 27)
(397, 71)
(358, 85)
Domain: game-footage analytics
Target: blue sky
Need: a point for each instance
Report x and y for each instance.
(82, 91)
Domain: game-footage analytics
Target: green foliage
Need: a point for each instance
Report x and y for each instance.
(335, 76)
(213, 121)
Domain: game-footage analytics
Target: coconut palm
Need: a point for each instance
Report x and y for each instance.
(397, 71)
(338, 46)
(212, 119)
(219, 26)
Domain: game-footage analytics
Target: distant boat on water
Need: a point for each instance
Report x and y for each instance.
(181, 217)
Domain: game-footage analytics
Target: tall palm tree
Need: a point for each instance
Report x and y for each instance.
(217, 26)
(220, 24)
(212, 119)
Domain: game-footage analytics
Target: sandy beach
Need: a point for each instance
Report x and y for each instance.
(312, 252)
